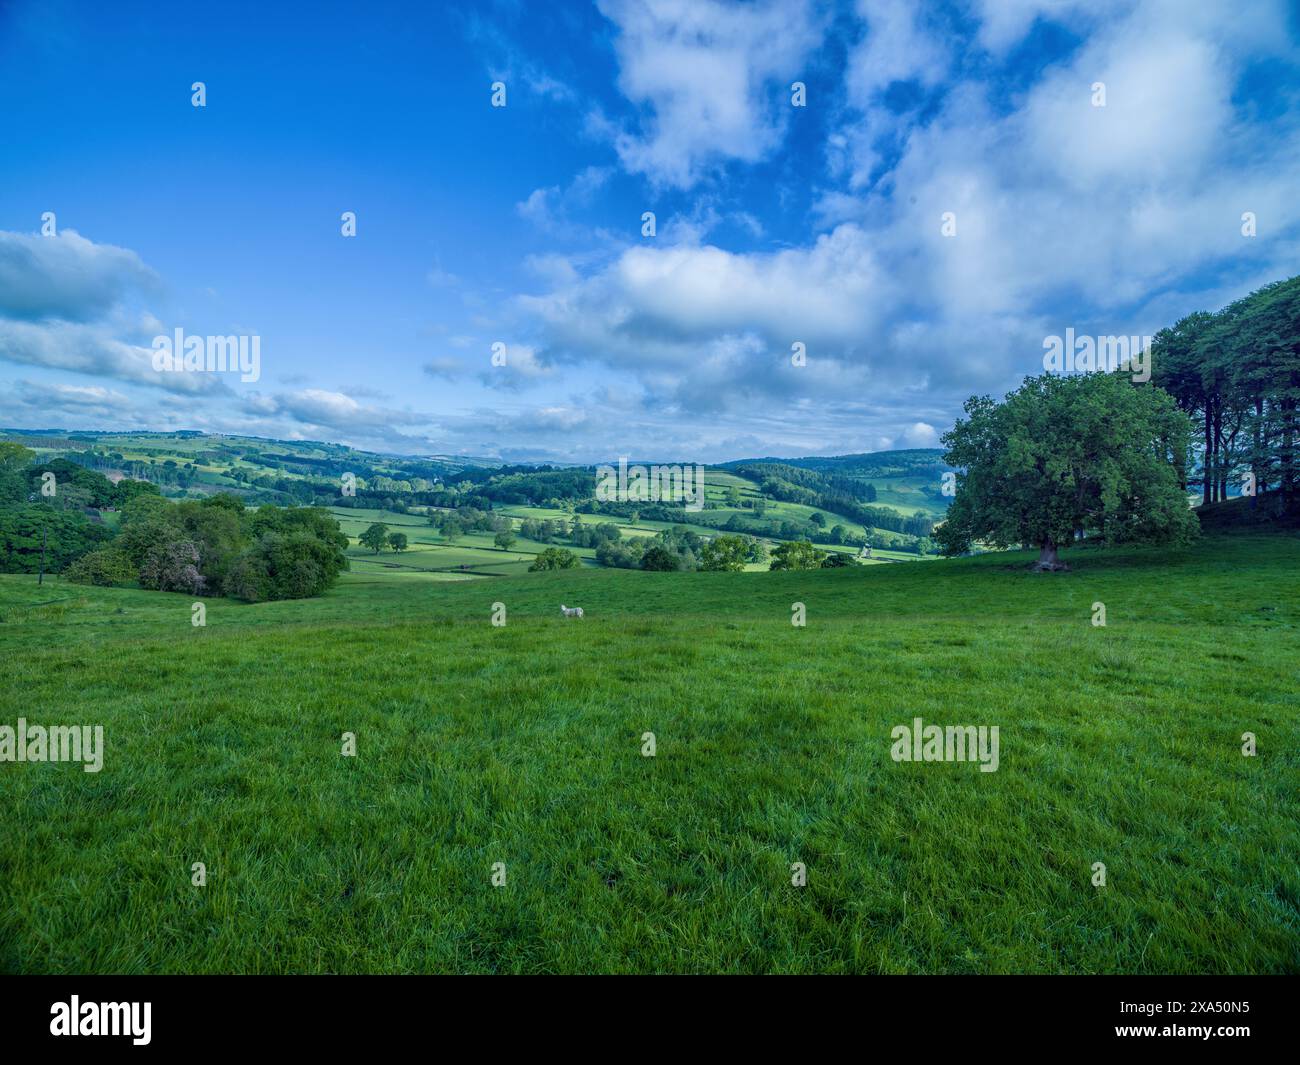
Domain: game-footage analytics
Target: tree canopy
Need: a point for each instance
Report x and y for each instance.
(1237, 373)
(1066, 456)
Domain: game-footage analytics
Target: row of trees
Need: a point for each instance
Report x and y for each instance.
(1237, 373)
(1097, 455)
(377, 537)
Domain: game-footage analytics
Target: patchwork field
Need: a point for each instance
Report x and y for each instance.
(523, 744)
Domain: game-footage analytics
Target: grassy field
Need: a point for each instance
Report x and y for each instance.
(476, 555)
(522, 745)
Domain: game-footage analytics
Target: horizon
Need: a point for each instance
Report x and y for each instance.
(833, 269)
(69, 433)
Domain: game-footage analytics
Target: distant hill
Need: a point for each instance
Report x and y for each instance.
(909, 481)
(907, 462)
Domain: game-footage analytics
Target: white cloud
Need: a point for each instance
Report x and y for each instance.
(920, 434)
(548, 208)
(92, 349)
(898, 46)
(522, 368)
(66, 276)
(1067, 215)
(708, 74)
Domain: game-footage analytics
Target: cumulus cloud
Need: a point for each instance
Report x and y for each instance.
(66, 304)
(93, 349)
(66, 276)
(522, 367)
(920, 434)
(898, 45)
(337, 410)
(704, 72)
(1104, 218)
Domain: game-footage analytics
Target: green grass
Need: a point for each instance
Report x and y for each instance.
(522, 744)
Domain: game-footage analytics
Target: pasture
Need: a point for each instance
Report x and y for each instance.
(522, 745)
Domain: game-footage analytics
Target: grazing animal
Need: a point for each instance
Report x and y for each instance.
(571, 611)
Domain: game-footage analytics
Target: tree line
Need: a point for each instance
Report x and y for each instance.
(51, 518)
(1236, 372)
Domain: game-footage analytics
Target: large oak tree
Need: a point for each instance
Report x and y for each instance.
(1061, 456)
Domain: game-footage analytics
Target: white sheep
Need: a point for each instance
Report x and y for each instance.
(571, 611)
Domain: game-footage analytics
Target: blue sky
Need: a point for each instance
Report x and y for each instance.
(522, 225)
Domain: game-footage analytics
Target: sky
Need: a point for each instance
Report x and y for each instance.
(826, 275)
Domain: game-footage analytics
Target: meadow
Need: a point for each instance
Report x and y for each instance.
(522, 745)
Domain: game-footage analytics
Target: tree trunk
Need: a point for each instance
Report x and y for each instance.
(1047, 560)
(1218, 454)
(1288, 451)
(1207, 458)
(1257, 450)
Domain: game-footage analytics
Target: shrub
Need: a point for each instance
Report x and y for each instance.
(725, 554)
(173, 567)
(797, 554)
(624, 554)
(106, 567)
(661, 559)
(293, 565)
(285, 566)
(554, 558)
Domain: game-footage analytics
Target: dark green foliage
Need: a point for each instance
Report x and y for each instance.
(290, 565)
(554, 558)
(106, 567)
(622, 554)
(588, 535)
(797, 554)
(128, 489)
(1236, 372)
(14, 460)
(1089, 453)
(68, 534)
(660, 558)
(725, 554)
(99, 489)
(375, 537)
